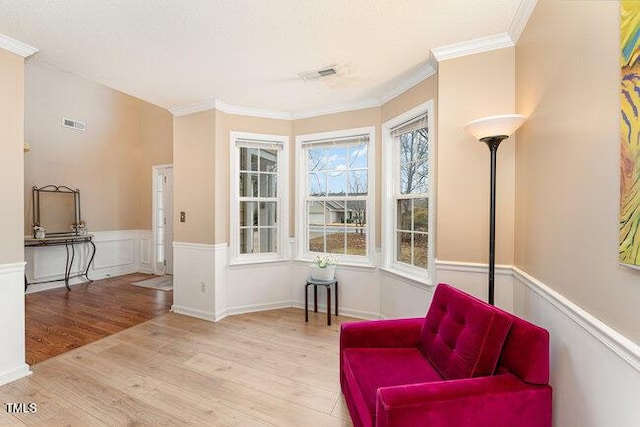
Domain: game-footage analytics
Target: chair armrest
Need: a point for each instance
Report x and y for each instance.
(381, 333)
(495, 401)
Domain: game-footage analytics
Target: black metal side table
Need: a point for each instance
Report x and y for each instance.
(315, 283)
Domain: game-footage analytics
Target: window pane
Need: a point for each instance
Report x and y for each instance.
(358, 156)
(421, 178)
(421, 214)
(335, 240)
(317, 159)
(316, 239)
(403, 247)
(337, 183)
(268, 161)
(249, 159)
(420, 252)
(248, 213)
(316, 213)
(248, 184)
(317, 184)
(356, 214)
(413, 178)
(336, 158)
(268, 240)
(335, 212)
(358, 183)
(248, 240)
(268, 185)
(268, 214)
(404, 214)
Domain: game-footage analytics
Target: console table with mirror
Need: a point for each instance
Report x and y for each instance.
(57, 221)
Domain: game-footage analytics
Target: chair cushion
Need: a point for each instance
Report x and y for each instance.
(368, 369)
(462, 337)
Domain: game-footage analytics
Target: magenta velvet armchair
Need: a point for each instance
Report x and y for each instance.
(466, 363)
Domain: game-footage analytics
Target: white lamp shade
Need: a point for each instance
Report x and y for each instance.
(505, 124)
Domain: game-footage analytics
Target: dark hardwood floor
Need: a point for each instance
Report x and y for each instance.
(58, 321)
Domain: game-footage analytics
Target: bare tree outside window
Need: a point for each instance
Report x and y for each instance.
(413, 198)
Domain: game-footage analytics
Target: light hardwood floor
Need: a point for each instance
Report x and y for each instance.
(267, 368)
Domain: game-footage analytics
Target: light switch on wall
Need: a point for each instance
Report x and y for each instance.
(183, 217)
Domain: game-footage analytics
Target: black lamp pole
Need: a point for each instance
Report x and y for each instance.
(492, 142)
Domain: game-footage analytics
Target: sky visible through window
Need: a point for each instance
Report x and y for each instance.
(338, 170)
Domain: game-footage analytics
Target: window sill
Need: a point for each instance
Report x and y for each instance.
(253, 262)
(351, 265)
(410, 278)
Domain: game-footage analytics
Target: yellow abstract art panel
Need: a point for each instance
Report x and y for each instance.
(629, 238)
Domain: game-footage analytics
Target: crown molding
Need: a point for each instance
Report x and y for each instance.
(422, 73)
(250, 111)
(425, 71)
(196, 107)
(521, 18)
(470, 47)
(341, 108)
(17, 47)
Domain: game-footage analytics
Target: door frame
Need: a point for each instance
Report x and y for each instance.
(155, 169)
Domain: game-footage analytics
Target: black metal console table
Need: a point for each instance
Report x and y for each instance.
(69, 243)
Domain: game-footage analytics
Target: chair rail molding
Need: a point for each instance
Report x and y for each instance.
(616, 342)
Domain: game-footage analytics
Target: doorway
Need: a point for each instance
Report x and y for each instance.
(162, 196)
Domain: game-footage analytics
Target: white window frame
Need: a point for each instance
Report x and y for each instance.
(302, 184)
(391, 186)
(282, 196)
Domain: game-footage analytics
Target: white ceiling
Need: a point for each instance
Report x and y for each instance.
(248, 52)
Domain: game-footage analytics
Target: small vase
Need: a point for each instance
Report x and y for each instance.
(326, 273)
(40, 234)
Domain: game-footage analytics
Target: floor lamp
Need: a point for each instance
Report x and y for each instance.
(492, 131)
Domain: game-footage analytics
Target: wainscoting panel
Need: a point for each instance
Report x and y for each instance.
(594, 370)
(194, 280)
(12, 355)
(403, 297)
(258, 287)
(117, 253)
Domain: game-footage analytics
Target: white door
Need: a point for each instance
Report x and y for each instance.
(163, 219)
(168, 215)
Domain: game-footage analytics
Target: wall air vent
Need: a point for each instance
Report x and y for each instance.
(73, 124)
(310, 76)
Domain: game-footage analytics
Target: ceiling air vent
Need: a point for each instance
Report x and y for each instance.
(73, 124)
(310, 76)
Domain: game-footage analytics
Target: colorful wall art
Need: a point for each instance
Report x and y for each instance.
(629, 234)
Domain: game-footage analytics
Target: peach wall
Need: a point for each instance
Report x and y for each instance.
(471, 87)
(110, 162)
(99, 161)
(423, 91)
(11, 161)
(194, 177)
(155, 147)
(567, 180)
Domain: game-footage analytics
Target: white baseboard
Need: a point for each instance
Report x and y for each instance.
(192, 312)
(15, 374)
(258, 307)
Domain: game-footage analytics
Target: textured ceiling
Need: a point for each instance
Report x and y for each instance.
(249, 52)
